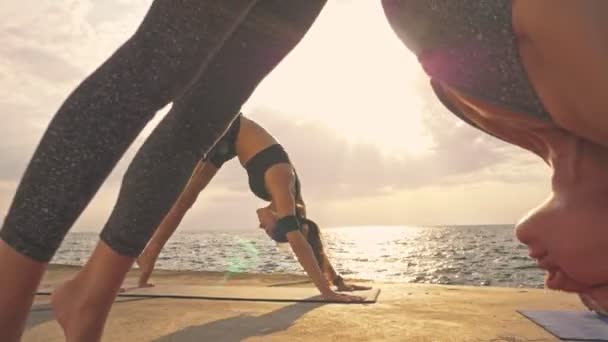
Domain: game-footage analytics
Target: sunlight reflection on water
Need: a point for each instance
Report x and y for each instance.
(464, 255)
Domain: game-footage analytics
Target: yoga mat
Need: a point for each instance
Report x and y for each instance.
(241, 293)
(571, 325)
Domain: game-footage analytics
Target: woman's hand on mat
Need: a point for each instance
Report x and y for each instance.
(341, 297)
(348, 288)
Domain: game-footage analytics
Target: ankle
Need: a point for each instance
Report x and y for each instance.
(88, 298)
(104, 272)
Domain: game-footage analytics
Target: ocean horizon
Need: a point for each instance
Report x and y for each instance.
(477, 255)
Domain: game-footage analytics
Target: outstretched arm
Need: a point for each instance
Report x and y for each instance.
(334, 278)
(284, 202)
(328, 270)
(330, 273)
(314, 239)
(278, 179)
(322, 278)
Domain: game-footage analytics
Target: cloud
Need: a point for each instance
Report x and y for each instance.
(42, 63)
(332, 167)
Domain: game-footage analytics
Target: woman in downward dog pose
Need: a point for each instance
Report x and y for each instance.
(272, 177)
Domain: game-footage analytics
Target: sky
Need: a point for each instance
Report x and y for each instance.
(350, 103)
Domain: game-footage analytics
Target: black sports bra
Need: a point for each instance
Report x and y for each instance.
(258, 165)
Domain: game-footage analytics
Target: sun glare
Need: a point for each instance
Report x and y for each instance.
(352, 74)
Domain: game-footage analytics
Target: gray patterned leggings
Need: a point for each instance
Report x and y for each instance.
(204, 56)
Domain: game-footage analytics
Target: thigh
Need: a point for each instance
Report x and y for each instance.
(271, 30)
(177, 37)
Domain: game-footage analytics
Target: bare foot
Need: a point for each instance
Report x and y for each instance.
(146, 266)
(80, 322)
(567, 236)
(596, 300)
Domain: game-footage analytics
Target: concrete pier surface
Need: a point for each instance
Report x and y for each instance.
(403, 312)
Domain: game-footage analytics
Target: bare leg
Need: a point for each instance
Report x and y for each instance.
(576, 198)
(566, 54)
(81, 305)
(20, 278)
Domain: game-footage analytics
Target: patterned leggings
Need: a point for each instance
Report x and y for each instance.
(206, 57)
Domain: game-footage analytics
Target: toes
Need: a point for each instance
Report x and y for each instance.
(558, 280)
